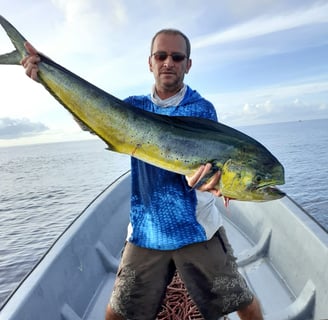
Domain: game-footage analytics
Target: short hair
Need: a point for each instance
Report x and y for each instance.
(172, 32)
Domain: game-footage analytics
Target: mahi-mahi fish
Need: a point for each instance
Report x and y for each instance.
(249, 172)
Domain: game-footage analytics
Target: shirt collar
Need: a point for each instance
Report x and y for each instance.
(173, 101)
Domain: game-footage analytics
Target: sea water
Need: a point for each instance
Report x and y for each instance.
(44, 187)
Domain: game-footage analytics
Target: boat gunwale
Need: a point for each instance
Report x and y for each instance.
(60, 238)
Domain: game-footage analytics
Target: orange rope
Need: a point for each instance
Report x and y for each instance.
(177, 304)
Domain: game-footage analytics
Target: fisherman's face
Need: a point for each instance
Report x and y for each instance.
(169, 71)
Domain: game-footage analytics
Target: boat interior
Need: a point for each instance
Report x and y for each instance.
(283, 256)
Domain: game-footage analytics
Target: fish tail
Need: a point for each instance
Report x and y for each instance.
(18, 41)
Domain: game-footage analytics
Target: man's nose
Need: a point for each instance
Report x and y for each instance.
(168, 62)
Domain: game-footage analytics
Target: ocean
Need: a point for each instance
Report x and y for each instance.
(44, 187)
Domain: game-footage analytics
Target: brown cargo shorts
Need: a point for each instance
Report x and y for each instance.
(208, 270)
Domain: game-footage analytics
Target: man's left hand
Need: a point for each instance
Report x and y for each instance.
(209, 186)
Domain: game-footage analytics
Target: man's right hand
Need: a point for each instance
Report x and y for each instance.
(30, 62)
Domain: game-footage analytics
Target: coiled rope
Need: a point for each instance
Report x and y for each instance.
(177, 304)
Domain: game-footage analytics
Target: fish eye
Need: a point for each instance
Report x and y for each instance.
(258, 178)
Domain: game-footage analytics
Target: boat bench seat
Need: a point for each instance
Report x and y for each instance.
(265, 281)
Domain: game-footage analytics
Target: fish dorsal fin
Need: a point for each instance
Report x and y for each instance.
(206, 126)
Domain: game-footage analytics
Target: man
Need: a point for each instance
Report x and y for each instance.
(173, 227)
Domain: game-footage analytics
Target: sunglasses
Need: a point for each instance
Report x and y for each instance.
(162, 56)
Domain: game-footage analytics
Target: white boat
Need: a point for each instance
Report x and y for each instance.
(281, 250)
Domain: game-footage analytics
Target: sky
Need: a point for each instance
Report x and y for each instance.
(257, 61)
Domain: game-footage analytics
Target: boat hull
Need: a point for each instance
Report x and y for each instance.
(281, 251)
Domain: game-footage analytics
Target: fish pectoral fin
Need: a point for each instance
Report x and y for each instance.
(82, 125)
(10, 58)
(110, 147)
(205, 177)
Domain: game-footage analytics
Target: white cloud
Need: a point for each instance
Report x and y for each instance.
(85, 11)
(283, 91)
(272, 103)
(16, 128)
(263, 25)
(253, 109)
(24, 98)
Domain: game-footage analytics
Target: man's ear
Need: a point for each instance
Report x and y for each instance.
(189, 64)
(150, 64)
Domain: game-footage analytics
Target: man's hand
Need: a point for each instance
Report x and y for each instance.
(30, 62)
(208, 186)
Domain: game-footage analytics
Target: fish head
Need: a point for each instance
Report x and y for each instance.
(252, 180)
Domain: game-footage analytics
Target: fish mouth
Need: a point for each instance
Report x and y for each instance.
(271, 190)
(270, 184)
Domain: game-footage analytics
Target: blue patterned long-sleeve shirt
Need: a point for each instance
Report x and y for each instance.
(163, 212)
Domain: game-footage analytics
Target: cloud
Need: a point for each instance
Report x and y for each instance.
(276, 103)
(264, 25)
(85, 27)
(272, 111)
(16, 128)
